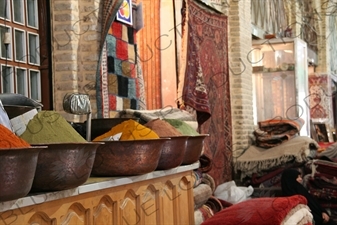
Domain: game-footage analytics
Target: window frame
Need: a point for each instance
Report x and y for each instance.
(28, 35)
(22, 13)
(39, 84)
(35, 15)
(9, 15)
(10, 46)
(26, 86)
(12, 88)
(28, 49)
(24, 47)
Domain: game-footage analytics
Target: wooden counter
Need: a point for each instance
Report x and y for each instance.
(160, 197)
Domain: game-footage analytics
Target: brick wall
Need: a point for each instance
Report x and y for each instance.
(239, 45)
(75, 49)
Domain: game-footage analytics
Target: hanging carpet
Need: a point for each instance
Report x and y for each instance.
(206, 84)
(121, 85)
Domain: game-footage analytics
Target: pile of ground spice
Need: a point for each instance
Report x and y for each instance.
(50, 127)
(131, 130)
(8, 139)
(182, 127)
(162, 128)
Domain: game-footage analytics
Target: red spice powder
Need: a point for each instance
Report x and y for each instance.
(8, 139)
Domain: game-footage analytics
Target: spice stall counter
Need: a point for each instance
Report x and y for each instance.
(159, 197)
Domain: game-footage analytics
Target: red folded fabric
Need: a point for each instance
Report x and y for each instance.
(258, 211)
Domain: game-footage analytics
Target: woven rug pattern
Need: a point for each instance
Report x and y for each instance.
(319, 98)
(122, 83)
(206, 85)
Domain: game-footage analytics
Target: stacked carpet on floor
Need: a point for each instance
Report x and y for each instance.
(257, 160)
(206, 204)
(321, 182)
(276, 131)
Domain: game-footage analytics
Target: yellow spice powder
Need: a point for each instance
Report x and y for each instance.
(131, 130)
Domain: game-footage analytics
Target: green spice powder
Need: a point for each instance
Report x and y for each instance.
(183, 127)
(50, 127)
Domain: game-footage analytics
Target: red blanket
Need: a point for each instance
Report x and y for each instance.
(260, 211)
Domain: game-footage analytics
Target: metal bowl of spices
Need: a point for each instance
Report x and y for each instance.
(103, 125)
(64, 166)
(17, 169)
(194, 148)
(173, 153)
(128, 157)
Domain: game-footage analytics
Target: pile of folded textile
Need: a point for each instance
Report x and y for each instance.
(265, 211)
(321, 181)
(262, 168)
(276, 146)
(206, 205)
(276, 131)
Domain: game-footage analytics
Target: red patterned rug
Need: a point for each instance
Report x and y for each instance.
(319, 96)
(206, 85)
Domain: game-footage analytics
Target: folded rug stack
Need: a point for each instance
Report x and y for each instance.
(277, 131)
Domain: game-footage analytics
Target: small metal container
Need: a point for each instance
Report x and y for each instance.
(64, 166)
(173, 153)
(15, 110)
(17, 169)
(126, 158)
(194, 148)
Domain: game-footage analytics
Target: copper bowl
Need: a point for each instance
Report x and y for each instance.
(194, 148)
(17, 169)
(64, 165)
(172, 153)
(126, 158)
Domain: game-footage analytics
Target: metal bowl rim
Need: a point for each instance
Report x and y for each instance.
(68, 143)
(25, 148)
(138, 140)
(115, 118)
(178, 136)
(199, 135)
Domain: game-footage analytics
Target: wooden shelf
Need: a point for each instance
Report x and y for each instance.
(164, 197)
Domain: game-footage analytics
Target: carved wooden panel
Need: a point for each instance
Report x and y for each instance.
(130, 208)
(105, 212)
(76, 215)
(185, 199)
(150, 208)
(41, 218)
(169, 203)
(164, 200)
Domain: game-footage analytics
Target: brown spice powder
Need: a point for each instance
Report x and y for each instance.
(162, 128)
